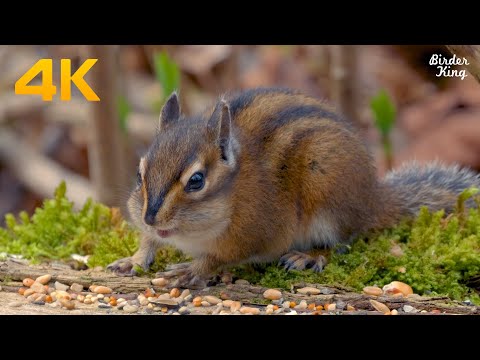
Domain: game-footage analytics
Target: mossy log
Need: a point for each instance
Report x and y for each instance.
(12, 273)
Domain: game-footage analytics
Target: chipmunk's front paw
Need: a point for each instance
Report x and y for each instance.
(296, 260)
(185, 277)
(123, 267)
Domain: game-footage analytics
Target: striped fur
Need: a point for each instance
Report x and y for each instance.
(296, 176)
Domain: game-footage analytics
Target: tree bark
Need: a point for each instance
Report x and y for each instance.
(343, 75)
(106, 150)
(472, 54)
(11, 274)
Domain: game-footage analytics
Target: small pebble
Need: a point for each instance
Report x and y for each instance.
(212, 299)
(224, 295)
(269, 311)
(88, 301)
(60, 286)
(92, 287)
(394, 312)
(102, 290)
(130, 309)
(309, 291)
(242, 282)
(188, 297)
(149, 292)
(319, 307)
(48, 299)
(292, 304)
(68, 304)
(100, 296)
(28, 292)
(41, 297)
(331, 307)
(93, 298)
(205, 303)
(293, 312)
(311, 306)
(28, 282)
(113, 302)
(120, 300)
(409, 309)
(236, 305)
(31, 298)
(104, 306)
(302, 306)
(372, 290)
(278, 311)
(62, 295)
(76, 287)
(286, 305)
(39, 302)
(183, 310)
(424, 311)
(341, 305)
(436, 311)
(38, 288)
(379, 306)
(351, 308)
(150, 306)
(144, 302)
(164, 310)
(223, 312)
(227, 303)
(107, 299)
(174, 293)
(15, 304)
(22, 290)
(197, 301)
(185, 293)
(44, 279)
(272, 294)
(398, 287)
(249, 310)
(159, 282)
(165, 296)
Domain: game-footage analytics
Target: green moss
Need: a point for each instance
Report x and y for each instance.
(440, 254)
(56, 230)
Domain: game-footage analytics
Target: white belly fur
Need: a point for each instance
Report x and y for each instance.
(321, 231)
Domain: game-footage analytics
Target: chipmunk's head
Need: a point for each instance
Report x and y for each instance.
(183, 182)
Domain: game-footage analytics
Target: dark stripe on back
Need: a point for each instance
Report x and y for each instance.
(242, 100)
(295, 113)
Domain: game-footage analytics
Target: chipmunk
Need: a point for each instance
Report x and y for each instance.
(268, 174)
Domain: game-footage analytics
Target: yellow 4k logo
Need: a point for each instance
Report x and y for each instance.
(47, 89)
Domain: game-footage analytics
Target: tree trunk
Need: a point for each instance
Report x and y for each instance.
(106, 150)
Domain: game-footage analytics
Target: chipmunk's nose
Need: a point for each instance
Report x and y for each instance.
(149, 219)
(153, 206)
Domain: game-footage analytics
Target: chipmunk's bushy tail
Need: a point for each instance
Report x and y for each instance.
(434, 185)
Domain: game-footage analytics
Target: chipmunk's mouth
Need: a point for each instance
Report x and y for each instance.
(166, 233)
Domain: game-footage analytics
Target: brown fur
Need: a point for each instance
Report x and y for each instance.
(296, 176)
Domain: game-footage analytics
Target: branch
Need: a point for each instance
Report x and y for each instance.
(472, 54)
(39, 173)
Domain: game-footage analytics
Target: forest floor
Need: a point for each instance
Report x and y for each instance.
(141, 297)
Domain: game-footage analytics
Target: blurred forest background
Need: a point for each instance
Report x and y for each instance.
(95, 146)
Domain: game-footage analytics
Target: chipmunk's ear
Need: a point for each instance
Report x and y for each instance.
(170, 112)
(219, 127)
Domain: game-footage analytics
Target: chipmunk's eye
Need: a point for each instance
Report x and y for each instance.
(196, 182)
(139, 178)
